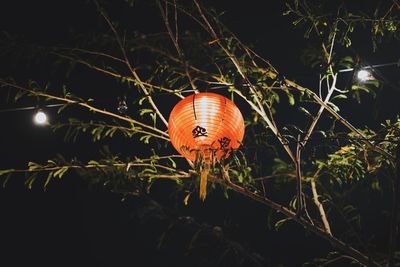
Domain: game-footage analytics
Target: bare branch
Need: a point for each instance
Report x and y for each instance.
(319, 205)
(117, 75)
(357, 255)
(321, 109)
(299, 190)
(131, 69)
(174, 39)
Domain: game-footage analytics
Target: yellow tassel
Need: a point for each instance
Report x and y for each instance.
(203, 181)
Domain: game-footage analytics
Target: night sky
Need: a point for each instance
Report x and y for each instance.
(73, 225)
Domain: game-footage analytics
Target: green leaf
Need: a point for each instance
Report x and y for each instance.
(145, 138)
(52, 162)
(110, 132)
(373, 82)
(49, 177)
(142, 100)
(340, 96)
(145, 111)
(280, 223)
(8, 177)
(31, 179)
(154, 118)
(305, 111)
(360, 87)
(61, 172)
(333, 106)
(173, 162)
(291, 99)
(4, 172)
(33, 166)
(60, 109)
(19, 95)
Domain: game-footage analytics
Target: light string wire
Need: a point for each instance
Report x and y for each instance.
(372, 66)
(394, 140)
(30, 108)
(223, 86)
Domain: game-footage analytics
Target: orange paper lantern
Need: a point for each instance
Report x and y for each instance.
(205, 124)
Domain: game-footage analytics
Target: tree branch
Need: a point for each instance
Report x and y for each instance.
(321, 109)
(175, 41)
(117, 75)
(299, 189)
(319, 205)
(131, 69)
(342, 120)
(260, 108)
(357, 255)
(181, 174)
(86, 105)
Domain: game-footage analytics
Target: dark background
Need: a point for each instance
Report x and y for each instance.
(70, 224)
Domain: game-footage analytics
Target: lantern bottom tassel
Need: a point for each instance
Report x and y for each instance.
(203, 181)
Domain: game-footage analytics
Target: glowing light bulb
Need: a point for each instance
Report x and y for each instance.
(40, 118)
(363, 75)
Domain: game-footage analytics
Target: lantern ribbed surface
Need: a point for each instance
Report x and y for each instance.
(205, 121)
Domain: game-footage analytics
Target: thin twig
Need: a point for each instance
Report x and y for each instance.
(182, 174)
(117, 75)
(320, 111)
(131, 69)
(164, 14)
(90, 52)
(318, 204)
(267, 177)
(336, 259)
(299, 190)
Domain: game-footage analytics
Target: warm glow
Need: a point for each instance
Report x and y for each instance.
(205, 121)
(363, 75)
(40, 118)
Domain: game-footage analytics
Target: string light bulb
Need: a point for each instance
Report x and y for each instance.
(40, 117)
(364, 75)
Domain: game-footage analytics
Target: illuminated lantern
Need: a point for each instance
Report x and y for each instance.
(205, 125)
